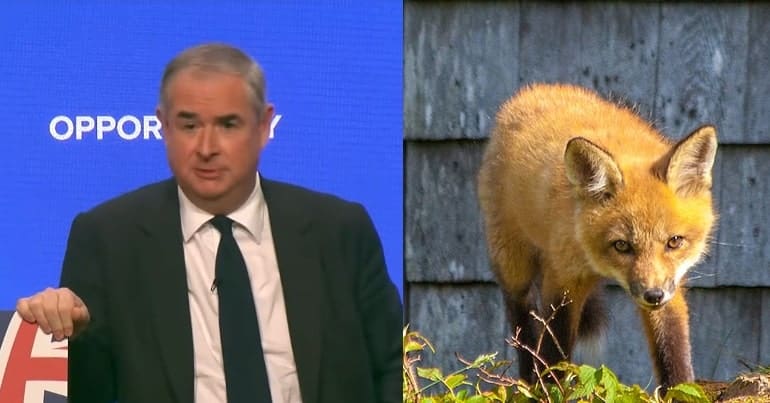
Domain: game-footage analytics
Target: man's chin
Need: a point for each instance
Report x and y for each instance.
(209, 194)
(204, 190)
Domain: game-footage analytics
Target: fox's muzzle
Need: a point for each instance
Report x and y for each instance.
(652, 297)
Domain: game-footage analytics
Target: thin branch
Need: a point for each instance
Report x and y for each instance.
(516, 343)
(564, 302)
(489, 377)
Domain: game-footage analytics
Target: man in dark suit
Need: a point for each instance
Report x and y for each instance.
(218, 284)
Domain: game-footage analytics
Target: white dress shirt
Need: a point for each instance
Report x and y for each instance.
(251, 230)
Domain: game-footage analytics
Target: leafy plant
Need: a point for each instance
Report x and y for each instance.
(484, 379)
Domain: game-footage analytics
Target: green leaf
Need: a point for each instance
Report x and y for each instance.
(477, 399)
(521, 398)
(453, 381)
(610, 383)
(502, 393)
(608, 378)
(433, 374)
(412, 346)
(633, 394)
(524, 391)
(587, 380)
(499, 364)
(566, 366)
(483, 359)
(687, 392)
(586, 373)
(554, 392)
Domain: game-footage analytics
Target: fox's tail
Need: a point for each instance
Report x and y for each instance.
(589, 347)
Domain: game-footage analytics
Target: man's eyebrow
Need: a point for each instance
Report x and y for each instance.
(228, 118)
(186, 115)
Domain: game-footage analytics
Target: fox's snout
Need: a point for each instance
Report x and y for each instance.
(652, 296)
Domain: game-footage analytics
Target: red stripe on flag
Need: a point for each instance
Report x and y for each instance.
(22, 367)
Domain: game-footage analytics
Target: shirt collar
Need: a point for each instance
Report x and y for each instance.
(250, 215)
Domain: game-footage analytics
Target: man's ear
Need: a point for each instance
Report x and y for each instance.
(264, 125)
(592, 170)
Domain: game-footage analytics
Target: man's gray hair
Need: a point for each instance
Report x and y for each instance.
(221, 58)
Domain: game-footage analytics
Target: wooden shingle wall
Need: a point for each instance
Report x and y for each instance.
(683, 65)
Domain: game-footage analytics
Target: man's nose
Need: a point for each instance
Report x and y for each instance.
(208, 142)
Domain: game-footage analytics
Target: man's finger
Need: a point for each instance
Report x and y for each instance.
(80, 319)
(80, 315)
(65, 308)
(36, 307)
(22, 307)
(51, 310)
(82, 308)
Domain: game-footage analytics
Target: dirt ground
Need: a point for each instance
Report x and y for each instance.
(753, 387)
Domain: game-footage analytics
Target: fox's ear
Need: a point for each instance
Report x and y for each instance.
(591, 169)
(688, 164)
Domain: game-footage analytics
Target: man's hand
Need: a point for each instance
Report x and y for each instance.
(58, 311)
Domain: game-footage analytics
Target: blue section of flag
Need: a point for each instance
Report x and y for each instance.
(5, 319)
(54, 398)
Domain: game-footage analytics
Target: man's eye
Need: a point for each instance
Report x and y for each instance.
(229, 125)
(188, 126)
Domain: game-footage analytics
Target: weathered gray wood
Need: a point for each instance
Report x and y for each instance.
(702, 68)
(758, 76)
(443, 237)
(467, 319)
(724, 326)
(610, 47)
(764, 331)
(550, 38)
(461, 60)
(619, 51)
(460, 63)
(742, 248)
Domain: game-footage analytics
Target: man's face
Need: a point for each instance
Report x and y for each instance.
(213, 137)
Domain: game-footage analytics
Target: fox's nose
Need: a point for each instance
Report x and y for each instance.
(654, 296)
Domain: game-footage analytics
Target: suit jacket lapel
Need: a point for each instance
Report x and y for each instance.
(166, 278)
(299, 262)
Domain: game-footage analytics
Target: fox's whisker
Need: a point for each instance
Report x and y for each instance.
(735, 245)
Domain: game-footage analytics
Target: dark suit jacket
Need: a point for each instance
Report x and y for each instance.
(125, 260)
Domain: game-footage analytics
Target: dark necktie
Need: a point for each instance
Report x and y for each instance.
(245, 372)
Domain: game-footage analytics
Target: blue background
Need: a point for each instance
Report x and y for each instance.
(334, 73)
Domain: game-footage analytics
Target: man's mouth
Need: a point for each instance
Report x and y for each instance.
(208, 173)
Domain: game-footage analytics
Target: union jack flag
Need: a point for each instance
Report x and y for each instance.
(33, 367)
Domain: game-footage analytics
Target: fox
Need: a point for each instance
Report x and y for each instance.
(576, 190)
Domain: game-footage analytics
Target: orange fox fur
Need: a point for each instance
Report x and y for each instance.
(573, 190)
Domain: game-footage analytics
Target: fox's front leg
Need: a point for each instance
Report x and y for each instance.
(668, 333)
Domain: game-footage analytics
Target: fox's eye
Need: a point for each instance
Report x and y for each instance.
(621, 246)
(675, 242)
